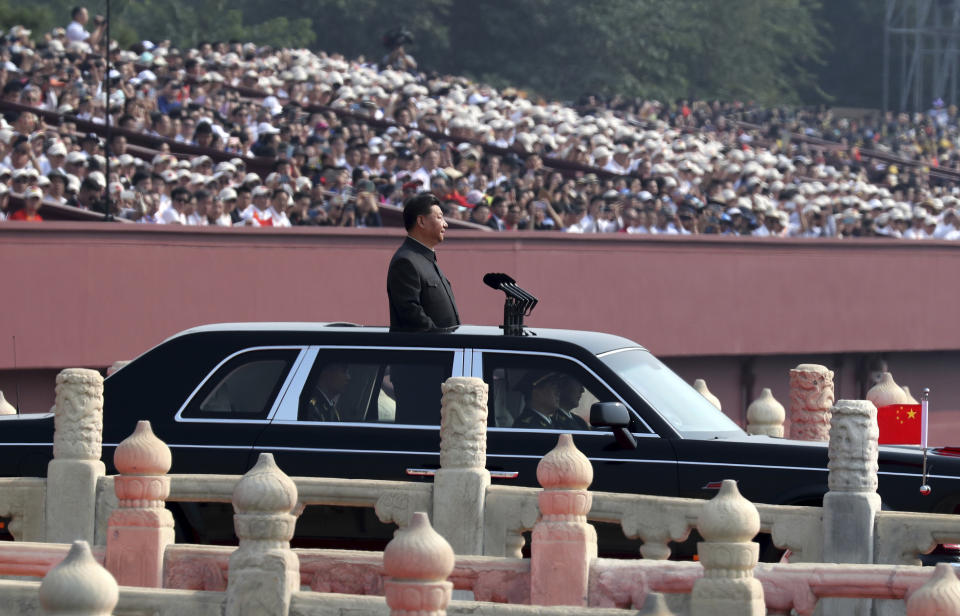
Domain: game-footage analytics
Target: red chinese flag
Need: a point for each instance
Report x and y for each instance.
(900, 424)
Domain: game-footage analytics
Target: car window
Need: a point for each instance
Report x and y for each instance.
(375, 386)
(534, 391)
(245, 387)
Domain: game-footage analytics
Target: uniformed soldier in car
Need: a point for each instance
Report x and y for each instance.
(569, 392)
(542, 400)
(322, 404)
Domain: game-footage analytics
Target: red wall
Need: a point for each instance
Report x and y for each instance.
(91, 293)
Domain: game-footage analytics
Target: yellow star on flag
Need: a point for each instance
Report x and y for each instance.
(911, 414)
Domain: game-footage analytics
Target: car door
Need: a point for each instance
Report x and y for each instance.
(362, 412)
(215, 429)
(513, 451)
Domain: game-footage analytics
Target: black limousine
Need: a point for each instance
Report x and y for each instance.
(323, 398)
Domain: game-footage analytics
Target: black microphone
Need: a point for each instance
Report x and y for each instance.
(496, 280)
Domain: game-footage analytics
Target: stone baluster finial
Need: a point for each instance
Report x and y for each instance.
(850, 506)
(5, 407)
(418, 562)
(887, 392)
(728, 523)
(910, 398)
(141, 528)
(765, 415)
(264, 571)
(79, 586)
(460, 486)
(940, 596)
(117, 365)
(77, 444)
(811, 397)
(701, 386)
(563, 543)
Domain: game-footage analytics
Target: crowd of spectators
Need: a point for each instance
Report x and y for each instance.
(344, 138)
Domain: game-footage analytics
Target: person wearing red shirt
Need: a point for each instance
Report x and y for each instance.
(29, 211)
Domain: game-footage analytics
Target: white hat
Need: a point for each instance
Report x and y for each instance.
(601, 152)
(265, 128)
(227, 194)
(57, 149)
(34, 192)
(97, 177)
(261, 191)
(76, 158)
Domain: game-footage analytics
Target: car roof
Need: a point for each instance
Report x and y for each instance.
(593, 342)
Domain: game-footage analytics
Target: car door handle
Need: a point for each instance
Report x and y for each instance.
(431, 472)
(421, 472)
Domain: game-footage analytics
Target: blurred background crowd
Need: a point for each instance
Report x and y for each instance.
(239, 134)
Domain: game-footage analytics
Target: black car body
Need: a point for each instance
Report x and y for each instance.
(219, 395)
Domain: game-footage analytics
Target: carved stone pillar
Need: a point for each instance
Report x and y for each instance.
(728, 523)
(851, 505)
(141, 528)
(264, 571)
(460, 486)
(79, 586)
(765, 415)
(811, 397)
(564, 544)
(940, 596)
(418, 562)
(77, 444)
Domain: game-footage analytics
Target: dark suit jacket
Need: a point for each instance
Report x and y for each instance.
(420, 295)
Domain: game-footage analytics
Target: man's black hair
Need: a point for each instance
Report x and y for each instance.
(179, 191)
(90, 184)
(202, 194)
(416, 206)
(75, 12)
(138, 177)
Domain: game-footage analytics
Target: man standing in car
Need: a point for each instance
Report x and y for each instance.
(420, 296)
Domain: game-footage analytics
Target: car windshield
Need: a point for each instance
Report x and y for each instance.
(680, 404)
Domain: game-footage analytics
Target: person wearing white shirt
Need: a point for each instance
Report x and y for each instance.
(179, 200)
(77, 32)
(431, 158)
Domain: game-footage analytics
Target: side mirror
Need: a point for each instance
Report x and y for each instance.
(616, 416)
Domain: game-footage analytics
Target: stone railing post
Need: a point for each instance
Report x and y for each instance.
(850, 506)
(141, 528)
(264, 572)
(563, 543)
(765, 415)
(940, 596)
(418, 562)
(811, 397)
(79, 586)
(76, 466)
(460, 486)
(728, 523)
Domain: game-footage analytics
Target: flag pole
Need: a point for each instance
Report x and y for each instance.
(924, 424)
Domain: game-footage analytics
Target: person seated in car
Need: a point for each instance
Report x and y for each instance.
(542, 396)
(569, 392)
(322, 404)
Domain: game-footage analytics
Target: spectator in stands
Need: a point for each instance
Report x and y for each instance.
(179, 202)
(76, 31)
(31, 207)
(367, 213)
